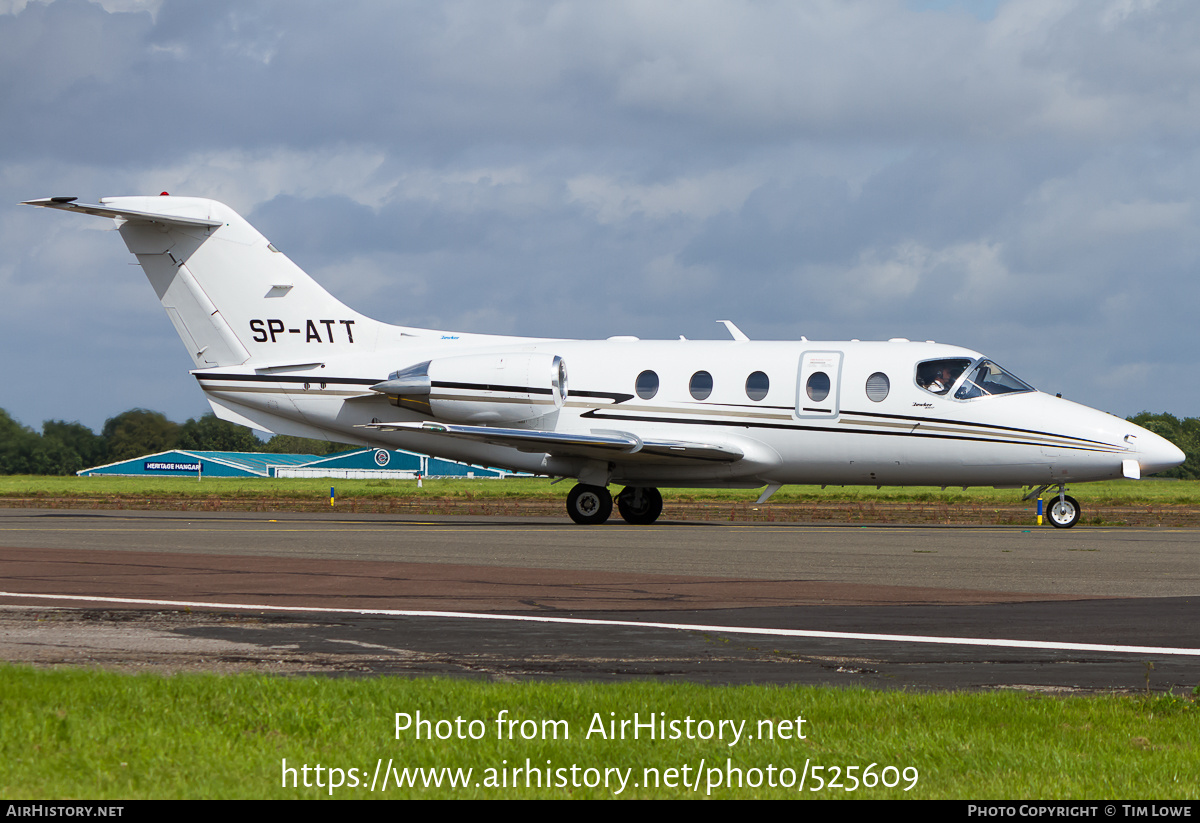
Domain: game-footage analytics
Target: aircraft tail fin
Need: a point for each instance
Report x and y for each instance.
(231, 295)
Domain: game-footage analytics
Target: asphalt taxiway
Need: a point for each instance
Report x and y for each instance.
(890, 606)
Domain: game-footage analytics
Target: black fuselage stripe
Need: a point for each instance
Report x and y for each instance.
(915, 419)
(446, 384)
(595, 414)
(616, 397)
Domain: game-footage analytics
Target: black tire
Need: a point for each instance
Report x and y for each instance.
(589, 505)
(1062, 514)
(639, 505)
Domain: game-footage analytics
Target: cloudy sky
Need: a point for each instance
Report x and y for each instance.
(1019, 177)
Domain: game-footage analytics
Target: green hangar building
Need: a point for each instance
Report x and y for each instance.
(348, 465)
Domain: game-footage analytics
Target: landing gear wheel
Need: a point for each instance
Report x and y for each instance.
(639, 505)
(589, 505)
(1062, 514)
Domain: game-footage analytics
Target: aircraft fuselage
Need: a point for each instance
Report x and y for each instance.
(907, 436)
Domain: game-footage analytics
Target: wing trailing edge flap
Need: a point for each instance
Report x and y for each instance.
(600, 443)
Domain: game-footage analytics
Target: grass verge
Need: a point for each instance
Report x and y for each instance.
(1116, 492)
(1117, 503)
(99, 735)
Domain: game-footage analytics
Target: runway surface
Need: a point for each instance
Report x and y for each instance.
(924, 607)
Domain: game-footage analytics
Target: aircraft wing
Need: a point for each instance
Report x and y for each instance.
(602, 444)
(69, 204)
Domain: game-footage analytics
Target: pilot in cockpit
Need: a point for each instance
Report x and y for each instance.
(940, 379)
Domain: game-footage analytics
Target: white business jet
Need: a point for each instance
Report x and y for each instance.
(275, 351)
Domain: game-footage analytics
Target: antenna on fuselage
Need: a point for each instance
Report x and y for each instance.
(734, 331)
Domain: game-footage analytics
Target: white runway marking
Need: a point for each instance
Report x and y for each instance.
(687, 627)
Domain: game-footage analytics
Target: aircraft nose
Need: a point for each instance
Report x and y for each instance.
(1155, 453)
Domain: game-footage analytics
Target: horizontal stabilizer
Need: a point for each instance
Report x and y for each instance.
(562, 444)
(69, 204)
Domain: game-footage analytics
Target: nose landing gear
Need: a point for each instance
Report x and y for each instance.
(1062, 511)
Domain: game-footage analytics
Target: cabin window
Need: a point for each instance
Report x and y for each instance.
(878, 387)
(757, 385)
(646, 385)
(986, 378)
(817, 386)
(938, 376)
(701, 385)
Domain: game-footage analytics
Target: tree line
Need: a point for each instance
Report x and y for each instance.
(1183, 433)
(65, 448)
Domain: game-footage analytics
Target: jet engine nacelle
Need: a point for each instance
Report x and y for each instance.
(481, 388)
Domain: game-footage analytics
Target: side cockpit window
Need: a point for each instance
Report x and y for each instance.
(878, 387)
(938, 376)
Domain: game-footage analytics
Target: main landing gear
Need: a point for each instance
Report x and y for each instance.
(639, 505)
(592, 505)
(589, 505)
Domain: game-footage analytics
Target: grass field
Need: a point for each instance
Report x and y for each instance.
(1117, 492)
(86, 734)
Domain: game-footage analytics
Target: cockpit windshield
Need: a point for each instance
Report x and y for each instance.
(968, 378)
(986, 378)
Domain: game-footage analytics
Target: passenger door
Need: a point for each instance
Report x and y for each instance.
(819, 384)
